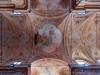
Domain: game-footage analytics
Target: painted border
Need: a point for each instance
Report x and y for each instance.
(24, 6)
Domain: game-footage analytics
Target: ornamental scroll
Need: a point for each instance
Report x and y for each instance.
(13, 4)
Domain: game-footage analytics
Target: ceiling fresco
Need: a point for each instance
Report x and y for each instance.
(50, 66)
(13, 4)
(49, 31)
(50, 8)
(86, 4)
(49, 38)
(15, 40)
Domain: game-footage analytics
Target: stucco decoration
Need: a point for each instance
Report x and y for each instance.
(95, 52)
(80, 55)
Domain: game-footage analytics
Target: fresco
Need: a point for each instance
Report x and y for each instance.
(50, 7)
(50, 66)
(49, 38)
(17, 4)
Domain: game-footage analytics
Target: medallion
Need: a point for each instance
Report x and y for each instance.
(49, 37)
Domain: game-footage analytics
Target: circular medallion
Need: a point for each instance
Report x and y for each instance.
(49, 38)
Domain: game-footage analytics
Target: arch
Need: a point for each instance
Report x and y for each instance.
(51, 66)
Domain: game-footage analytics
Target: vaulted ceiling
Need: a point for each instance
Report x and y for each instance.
(49, 30)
